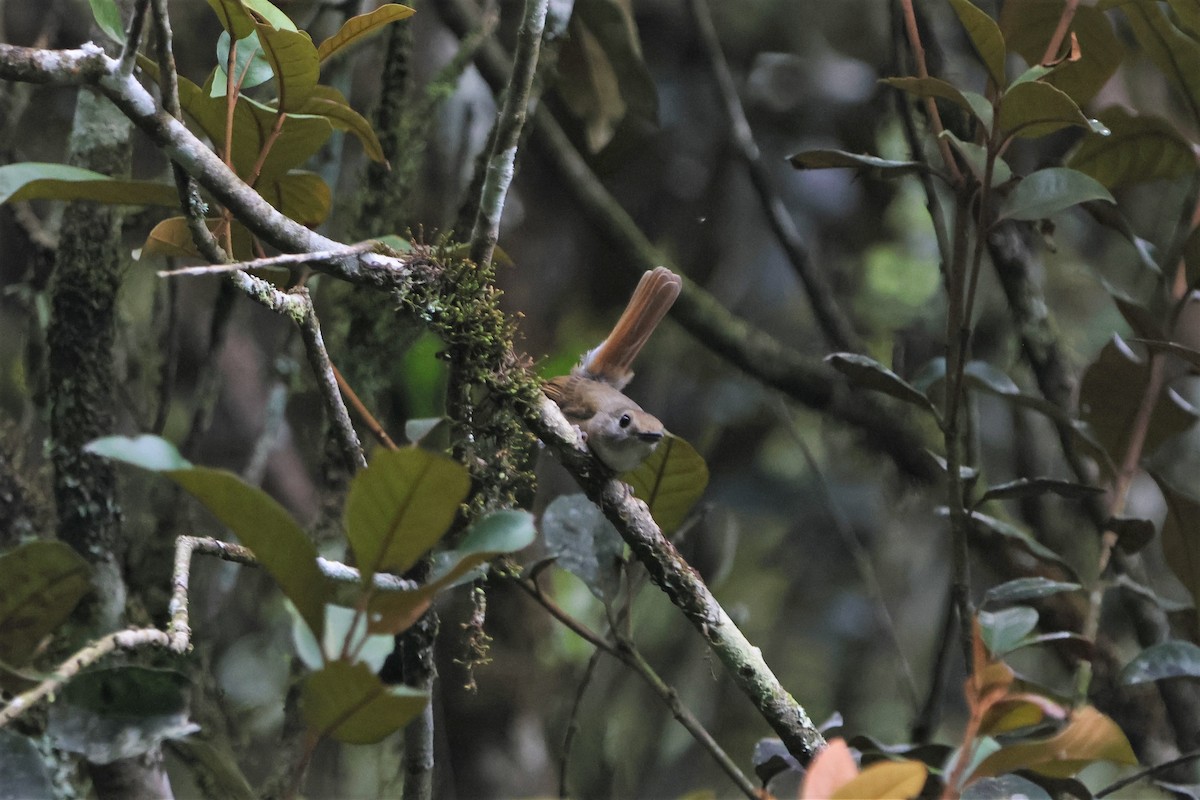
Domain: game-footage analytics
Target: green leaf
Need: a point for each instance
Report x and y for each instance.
(108, 19)
(40, 585)
(37, 181)
(283, 549)
(1181, 537)
(1004, 630)
(1021, 539)
(358, 28)
(328, 102)
(1049, 191)
(147, 452)
(270, 14)
(303, 196)
(583, 542)
(670, 481)
(347, 702)
(838, 159)
(300, 137)
(976, 157)
(931, 87)
(868, 373)
(400, 506)
(985, 37)
(1110, 394)
(1173, 52)
(496, 534)
(1035, 109)
(251, 66)
(234, 17)
(1021, 589)
(1027, 26)
(341, 625)
(1173, 659)
(115, 713)
(293, 59)
(1132, 533)
(602, 77)
(1033, 487)
(172, 237)
(1144, 322)
(1139, 148)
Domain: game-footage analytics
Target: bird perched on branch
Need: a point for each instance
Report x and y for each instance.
(618, 430)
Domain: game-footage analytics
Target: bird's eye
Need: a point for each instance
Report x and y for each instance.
(625, 420)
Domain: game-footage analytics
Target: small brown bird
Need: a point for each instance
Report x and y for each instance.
(617, 430)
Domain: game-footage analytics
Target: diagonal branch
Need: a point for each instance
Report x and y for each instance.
(837, 327)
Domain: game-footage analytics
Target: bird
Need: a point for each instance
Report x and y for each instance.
(618, 431)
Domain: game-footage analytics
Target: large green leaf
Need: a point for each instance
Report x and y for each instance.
(280, 545)
(1173, 659)
(985, 37)
(1181, 537)
(1137, 149)
(1110, 394)
(670, 481)
(358, 28)
(328, 102)
(234, 17)
(38, 181)
(400, 506)
(173, 238)
(1175, 53)
(1027, 26)
(1035, 109)
(298, 139)
(1049, 191)
(40, 584)
(303, 196)
(348, 702)
(498, 533)
(293, 59)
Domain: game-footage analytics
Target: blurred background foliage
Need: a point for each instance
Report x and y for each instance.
(776, 531)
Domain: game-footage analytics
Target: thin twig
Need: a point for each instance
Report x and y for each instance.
(133, 37)
(322, 367)
(833, 321)
(862, 558)
(935, 119)
(502, 161)
(128, 639)
(626, 651)
(1147, 772)
(573, 721)
(283, 260)
(1060, 33)
(360, 408)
